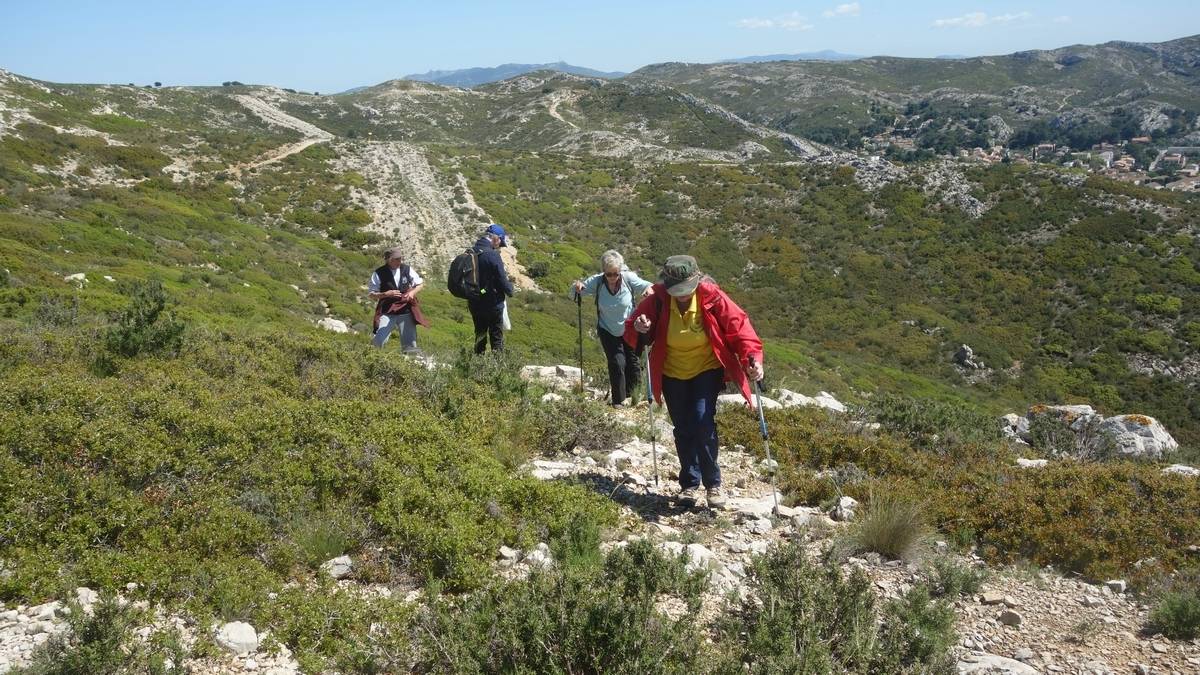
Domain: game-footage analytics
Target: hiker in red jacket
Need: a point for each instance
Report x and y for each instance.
(700, 339)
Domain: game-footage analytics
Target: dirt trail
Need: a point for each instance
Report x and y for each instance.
(410, 205)
(552, 107)
(272, 115)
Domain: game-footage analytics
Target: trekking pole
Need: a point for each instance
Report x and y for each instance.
(762, 426)
(579, 308)
(650, 408)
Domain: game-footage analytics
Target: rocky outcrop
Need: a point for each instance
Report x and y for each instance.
(965, 357)
(1137, 436)
(790, 399)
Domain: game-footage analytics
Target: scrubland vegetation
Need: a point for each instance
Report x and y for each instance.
(183, 426)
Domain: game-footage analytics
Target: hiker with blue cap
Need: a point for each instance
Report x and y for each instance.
(487, 310)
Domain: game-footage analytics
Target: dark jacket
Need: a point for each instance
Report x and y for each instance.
(492, 276)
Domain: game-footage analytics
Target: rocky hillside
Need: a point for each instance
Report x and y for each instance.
(1081, 92)
(473, 77)
(855, 264)
(182, 281)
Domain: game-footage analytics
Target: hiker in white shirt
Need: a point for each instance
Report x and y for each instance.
(394, 288)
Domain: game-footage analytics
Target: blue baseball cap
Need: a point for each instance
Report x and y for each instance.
(497, 230)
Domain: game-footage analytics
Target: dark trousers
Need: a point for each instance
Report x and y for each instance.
(623, 370)
(692, 405)
(488, 326)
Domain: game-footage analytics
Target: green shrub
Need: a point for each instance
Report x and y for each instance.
(1097, 519)
(949, 577)
(333, 628)
(1158, 303)
(146, 325)
(1191, 333)
(813, 618)
(560, 426)
(933, 424)
(104, 644)
(891, 524)
(324, 535)
(1176, 614)
(1054, 436)
(574, 618)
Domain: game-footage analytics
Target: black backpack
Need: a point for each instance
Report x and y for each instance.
(463, 280)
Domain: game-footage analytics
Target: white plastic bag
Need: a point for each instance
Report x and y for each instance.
(504, 321)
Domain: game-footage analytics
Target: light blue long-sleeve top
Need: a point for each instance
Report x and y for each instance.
(612, 308)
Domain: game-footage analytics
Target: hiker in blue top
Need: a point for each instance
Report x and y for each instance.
(615, 288)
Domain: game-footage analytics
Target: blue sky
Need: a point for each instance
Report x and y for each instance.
(326, 46)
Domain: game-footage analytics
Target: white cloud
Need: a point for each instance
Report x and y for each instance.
(1062, 19)
(981, 19)
(791, 21)
(847, 9)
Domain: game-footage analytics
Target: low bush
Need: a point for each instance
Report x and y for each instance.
(219, 473)
(1082, 440)
(104, 643)
(891, 525)
(146, 325)
(931, 424)
(331, 628)
(561, 426)
(813, 618)
(578, 617)
(1176, 613)
(1096, 519)
(949, 577)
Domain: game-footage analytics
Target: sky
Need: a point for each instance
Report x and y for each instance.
(332, 46)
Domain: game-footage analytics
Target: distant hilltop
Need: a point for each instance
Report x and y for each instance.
(473, 77)
(823, 55)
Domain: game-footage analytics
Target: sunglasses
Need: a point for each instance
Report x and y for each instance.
(611, 275)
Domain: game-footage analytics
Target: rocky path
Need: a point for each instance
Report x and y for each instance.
(274, 116)
(410, 206)
(1021, 622)
(552, 107)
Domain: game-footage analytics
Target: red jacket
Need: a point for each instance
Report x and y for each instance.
(727, 325)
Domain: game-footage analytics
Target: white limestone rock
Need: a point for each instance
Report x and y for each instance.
(567, 372)
(844, 510)
(339, 567)
(1182, 470)
(990, 664)
(619, 459)
(1139, 436)
(334, 325)
(238, 637)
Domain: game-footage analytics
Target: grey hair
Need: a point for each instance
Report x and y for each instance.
(393, 252)
(611, 258)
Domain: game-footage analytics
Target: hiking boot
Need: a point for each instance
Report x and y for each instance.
(716, 498)
(687, 497)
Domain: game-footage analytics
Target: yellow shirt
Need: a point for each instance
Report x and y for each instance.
(689, 351)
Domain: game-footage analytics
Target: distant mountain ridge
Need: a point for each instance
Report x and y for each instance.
(1075, 96)
(823, 55)
(473, 77)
